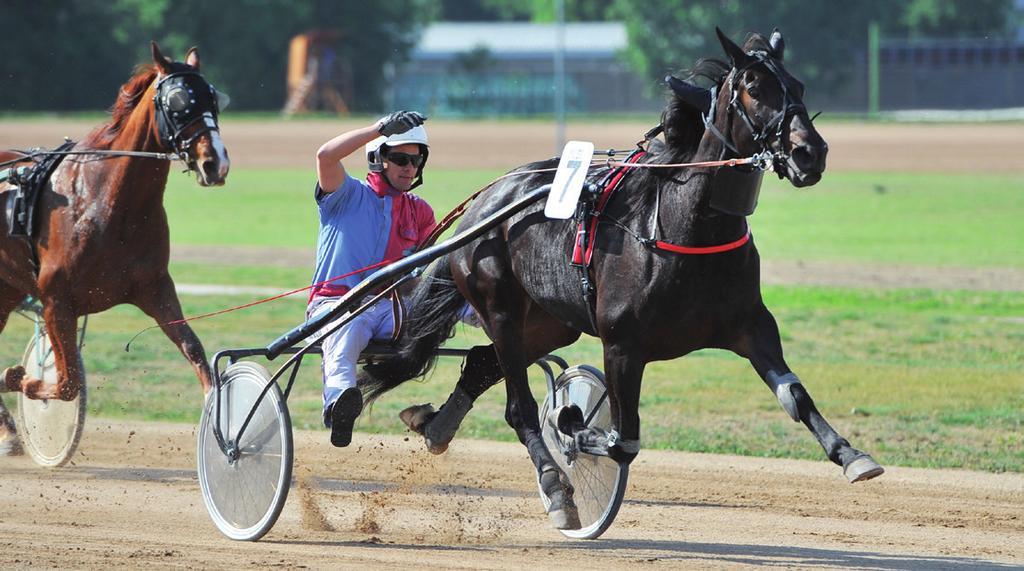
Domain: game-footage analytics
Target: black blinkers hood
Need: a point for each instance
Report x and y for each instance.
(694, 96)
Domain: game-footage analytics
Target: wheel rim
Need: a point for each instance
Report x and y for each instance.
(598, 481)
(245, 497)
(50, 429)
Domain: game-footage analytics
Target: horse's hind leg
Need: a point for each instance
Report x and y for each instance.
(9, 444)
(481, 371)
(521, 415)
(624, 373)
(761, 344)
(503, 308)
(62, 327)
(160, 301)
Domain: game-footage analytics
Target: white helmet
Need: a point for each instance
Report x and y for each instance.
(375, 155)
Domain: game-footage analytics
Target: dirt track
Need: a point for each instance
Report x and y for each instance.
(132, 501)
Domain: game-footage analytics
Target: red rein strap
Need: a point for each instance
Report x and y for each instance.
(257, 302)
(703, 249)
(265, 300)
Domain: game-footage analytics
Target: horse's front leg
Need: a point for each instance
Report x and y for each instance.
(761, 344)
(160, 301)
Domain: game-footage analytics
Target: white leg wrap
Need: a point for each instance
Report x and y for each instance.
(781, 385)
(628, 446)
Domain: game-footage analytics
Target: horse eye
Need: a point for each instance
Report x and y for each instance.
(754, 92)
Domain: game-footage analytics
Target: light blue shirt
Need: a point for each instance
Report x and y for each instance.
(355, 224)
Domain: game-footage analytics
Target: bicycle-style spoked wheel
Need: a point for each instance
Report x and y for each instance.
(245, 494)
(599, 482)
(49, 429)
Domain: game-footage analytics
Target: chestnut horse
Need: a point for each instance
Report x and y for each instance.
(102, 237)
(650, 302)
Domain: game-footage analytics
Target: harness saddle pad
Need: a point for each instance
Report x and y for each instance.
(21, 200)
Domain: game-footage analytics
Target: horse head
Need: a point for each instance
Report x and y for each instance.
(762, 106)
(187, 107)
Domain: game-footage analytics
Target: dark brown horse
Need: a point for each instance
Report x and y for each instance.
(102, 237)
(649, 304)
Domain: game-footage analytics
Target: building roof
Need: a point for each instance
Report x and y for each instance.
(519, 38)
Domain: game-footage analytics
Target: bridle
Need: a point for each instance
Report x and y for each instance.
(179, 104)
(771, 131)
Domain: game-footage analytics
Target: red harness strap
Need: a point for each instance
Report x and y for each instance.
(703, 249)
(582, 253)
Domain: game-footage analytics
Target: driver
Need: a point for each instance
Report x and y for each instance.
(363, 223)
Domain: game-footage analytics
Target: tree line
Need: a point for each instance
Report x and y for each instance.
(73, 54)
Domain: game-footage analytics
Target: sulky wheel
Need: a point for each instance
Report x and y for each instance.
(599, 482)
(49, 429)
(245, 489)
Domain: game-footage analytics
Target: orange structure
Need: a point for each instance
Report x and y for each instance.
(318, 79)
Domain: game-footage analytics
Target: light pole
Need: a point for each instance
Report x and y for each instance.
(559, 75)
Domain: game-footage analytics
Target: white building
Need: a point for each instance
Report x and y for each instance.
(506, 68)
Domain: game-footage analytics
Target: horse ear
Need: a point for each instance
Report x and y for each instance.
(737, 56)
(778, 44)
(162, 63)
(192, 57)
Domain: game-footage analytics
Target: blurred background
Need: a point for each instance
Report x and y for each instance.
(456, 58)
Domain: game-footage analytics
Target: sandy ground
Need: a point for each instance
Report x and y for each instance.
(132, 500)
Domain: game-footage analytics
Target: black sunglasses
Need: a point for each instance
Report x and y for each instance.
(403, 159)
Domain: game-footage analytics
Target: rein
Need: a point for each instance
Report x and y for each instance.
(143, 154)
(259, 301)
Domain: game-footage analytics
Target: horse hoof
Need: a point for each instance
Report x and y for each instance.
(13, 377)
(436, 448)
(863, 468)
(417, 416)
(565, 518)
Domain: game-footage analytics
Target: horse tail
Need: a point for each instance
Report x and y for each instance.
(435, 306)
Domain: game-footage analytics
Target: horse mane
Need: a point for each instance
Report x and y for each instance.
(128, 99)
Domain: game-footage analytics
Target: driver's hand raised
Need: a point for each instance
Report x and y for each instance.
(399, 122)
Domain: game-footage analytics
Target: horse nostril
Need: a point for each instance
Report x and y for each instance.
(209, 167)
(805, 156)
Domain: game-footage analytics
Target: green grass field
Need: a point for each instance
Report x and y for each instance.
(917, 377)
(941, 220)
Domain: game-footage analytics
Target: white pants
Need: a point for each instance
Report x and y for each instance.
(341, 349)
